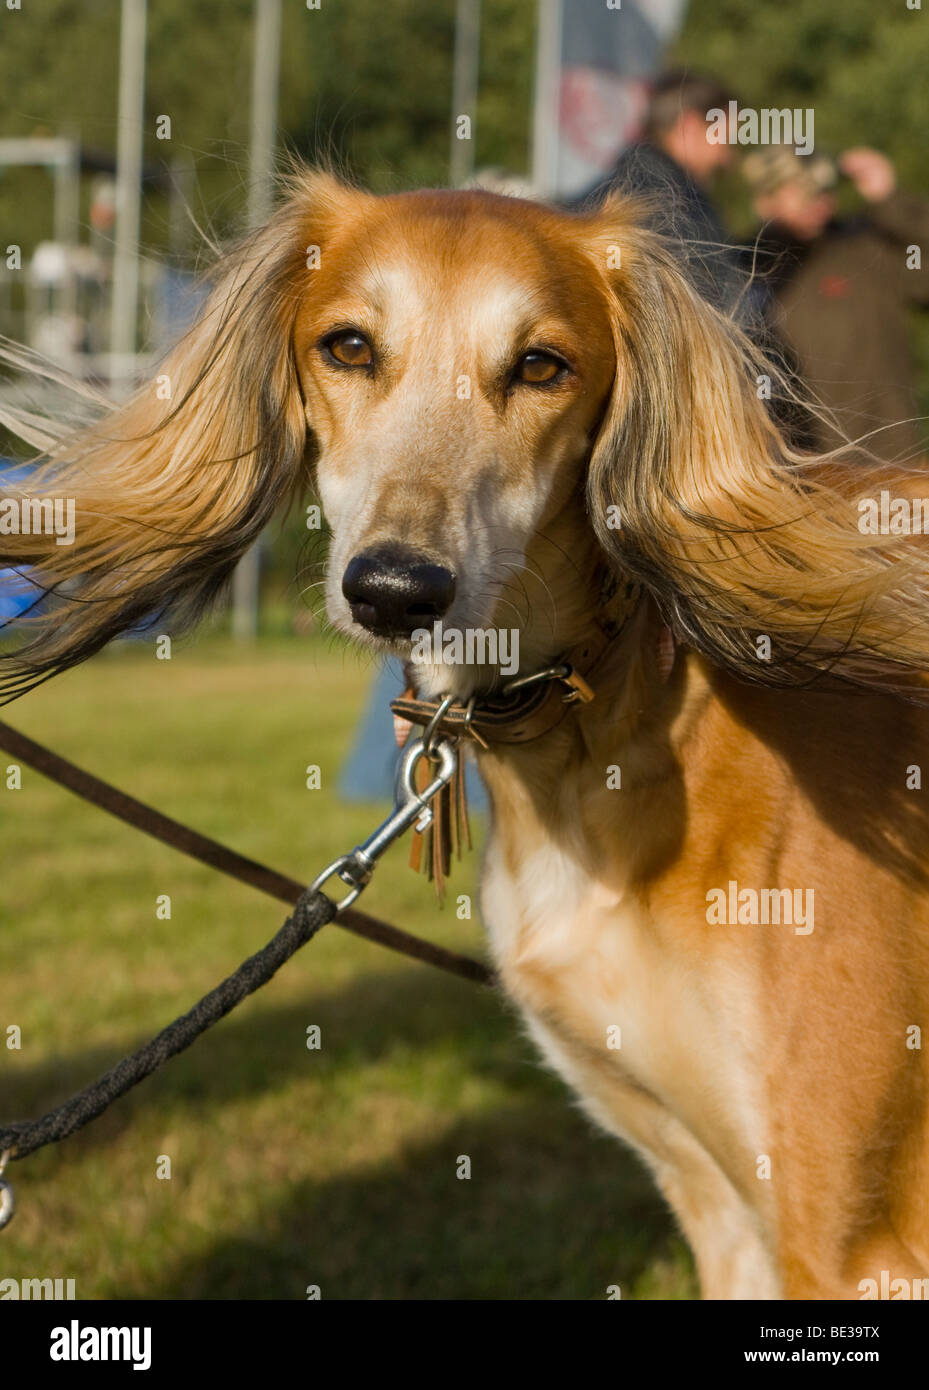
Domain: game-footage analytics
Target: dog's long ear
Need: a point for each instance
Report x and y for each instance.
(169, 489)
(694, 491)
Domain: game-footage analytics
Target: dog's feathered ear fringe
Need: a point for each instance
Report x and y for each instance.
(694, 491)
(172, 487)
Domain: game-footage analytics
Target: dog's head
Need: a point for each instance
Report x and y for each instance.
(496, 399)
(455, 354)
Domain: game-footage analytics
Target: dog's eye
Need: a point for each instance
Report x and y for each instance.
(349, 348)
(537, 368)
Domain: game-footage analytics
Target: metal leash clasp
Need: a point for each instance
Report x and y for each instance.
(7, 1200)
(412, 807)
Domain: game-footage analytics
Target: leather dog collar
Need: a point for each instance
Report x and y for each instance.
(530, 706)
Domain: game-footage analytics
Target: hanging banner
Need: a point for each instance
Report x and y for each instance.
(595, 61)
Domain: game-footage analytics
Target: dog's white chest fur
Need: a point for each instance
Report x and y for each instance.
(649, 1040)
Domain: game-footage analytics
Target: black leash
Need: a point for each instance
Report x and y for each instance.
(312, 910)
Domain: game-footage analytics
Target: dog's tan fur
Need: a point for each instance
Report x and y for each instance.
(768, 1078)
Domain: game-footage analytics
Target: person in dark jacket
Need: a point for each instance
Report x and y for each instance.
(839, 292)
(675, 165)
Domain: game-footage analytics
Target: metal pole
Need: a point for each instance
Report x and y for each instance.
(67, 216)
(67, 193)
(465, 87)
(265, 70)
(128, 187)
(545, 116)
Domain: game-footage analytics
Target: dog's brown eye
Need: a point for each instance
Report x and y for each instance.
(349, 348)
(538, 367)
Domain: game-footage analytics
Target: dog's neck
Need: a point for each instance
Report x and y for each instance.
(559, 589)
(605, 786)
(569, 594)
(638, 686)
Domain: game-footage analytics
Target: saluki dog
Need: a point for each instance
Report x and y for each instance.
(707, 880)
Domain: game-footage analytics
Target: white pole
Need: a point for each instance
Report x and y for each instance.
(545, 115)
(67, 193)
(131, 113)
(67, 215)
(265, 69)
(465, 88)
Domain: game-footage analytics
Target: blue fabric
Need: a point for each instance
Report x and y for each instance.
(17, 594)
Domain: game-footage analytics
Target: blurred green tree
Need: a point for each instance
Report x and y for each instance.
(860, 66)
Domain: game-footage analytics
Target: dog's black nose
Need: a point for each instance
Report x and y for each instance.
(392, 591)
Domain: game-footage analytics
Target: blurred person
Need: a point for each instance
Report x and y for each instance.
(676, 164)
(837, 292)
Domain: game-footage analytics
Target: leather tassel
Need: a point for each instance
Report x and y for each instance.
(459, 789)
(441, 841)
(449, 831)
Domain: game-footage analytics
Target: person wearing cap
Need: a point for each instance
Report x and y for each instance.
(676, 165)
(838, 292)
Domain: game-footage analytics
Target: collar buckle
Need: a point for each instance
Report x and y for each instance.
(580, 691)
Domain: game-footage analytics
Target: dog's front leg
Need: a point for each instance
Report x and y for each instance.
(728, 1237)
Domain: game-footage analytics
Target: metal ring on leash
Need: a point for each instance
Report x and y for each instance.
(430, 729)
(468, 724)
(550, 673)
(7, 1199)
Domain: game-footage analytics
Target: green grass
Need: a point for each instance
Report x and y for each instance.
(289, 1167)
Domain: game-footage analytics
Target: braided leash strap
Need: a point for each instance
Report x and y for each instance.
(312, 911)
